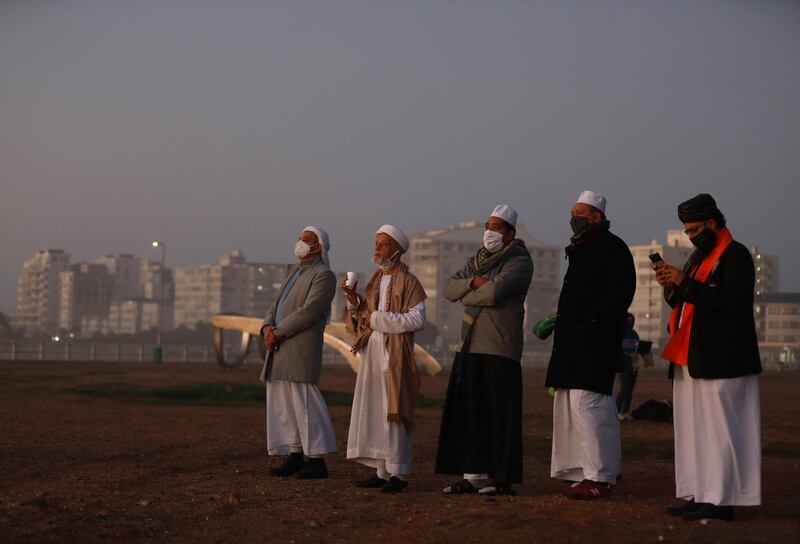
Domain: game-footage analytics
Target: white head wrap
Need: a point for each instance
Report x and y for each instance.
(324, 241)
(506, 213)
(396, 234)
(593, 199)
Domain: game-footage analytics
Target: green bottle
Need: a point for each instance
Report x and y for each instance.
(544, 328)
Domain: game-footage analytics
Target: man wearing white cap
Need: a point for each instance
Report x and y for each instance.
(587, 351)
(297, 417)
(383, 321)
(481, 433)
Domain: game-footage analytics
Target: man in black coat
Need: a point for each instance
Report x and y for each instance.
(714, 348)
(587, 352)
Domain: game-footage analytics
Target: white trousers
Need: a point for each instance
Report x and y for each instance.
(298, 419)
(372, 440)
(586, 437)
(717, 439)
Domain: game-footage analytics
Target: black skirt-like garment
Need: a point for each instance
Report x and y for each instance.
(481, 428)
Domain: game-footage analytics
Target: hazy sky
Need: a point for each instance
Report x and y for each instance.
(217, 125)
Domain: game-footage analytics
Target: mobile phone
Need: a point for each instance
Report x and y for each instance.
(656, 258)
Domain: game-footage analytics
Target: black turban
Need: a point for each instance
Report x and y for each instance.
(699, 208)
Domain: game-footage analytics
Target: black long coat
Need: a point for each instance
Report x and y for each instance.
(723, 341)
(592, 310)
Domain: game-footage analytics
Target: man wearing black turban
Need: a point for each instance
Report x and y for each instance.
(714, 351)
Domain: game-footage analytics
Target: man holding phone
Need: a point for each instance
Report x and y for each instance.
(714, 351)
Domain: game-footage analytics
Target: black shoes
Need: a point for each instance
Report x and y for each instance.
(689, 506)
(394, 485)
(694, 511)
(373, 482)
(315, 469)
(292, 464)
(709, 511)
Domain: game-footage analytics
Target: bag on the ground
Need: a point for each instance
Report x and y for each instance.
(654, 410)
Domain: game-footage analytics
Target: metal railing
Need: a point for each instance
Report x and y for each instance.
(122, 352)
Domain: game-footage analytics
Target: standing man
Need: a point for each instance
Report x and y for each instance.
(383, 321)
(714, 350)
(587, 352)
(297, 417)
(481, 433)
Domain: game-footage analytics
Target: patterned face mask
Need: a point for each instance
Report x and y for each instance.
(579, 224)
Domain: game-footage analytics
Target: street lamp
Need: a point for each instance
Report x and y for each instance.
(163, 247)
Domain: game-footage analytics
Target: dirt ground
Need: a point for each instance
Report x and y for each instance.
(81, 469)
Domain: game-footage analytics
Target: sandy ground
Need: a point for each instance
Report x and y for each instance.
(81, 469)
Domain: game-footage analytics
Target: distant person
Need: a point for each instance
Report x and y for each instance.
(630, 370)
(714, 351)
(383, 321)
(587, 349)
(481, 433)
(297, 417)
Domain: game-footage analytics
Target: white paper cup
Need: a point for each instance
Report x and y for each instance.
(351, 280)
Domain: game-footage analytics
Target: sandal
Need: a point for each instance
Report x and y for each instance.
(497, 489)
(460, 488)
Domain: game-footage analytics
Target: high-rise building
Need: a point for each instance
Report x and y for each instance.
(125, 270)
(437, 254)
(767, 272)
(778, 328)
(135, 315)
(38, 291)
(85, 296)
(267, 280)
(155, 281)
(233, 285)
(152, 279)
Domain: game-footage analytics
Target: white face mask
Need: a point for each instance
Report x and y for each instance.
(301, 249)
(385, 264)
(492, 241)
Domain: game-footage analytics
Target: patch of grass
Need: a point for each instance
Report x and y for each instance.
(200, 394)
(210, 394)
(782, 449)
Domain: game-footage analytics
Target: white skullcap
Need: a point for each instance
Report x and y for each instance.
(396, 234)
(593, 199)
(506, 213)
(324, 241)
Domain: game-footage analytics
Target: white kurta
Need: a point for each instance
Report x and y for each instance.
(717, 439)
(372, 440)
(586, 437)
(298, 419)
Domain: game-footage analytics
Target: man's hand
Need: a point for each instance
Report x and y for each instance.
(270, 340)
(667, 275)
(350, 292)
(477, 282)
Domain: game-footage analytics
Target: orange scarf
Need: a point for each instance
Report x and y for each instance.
(680, 327)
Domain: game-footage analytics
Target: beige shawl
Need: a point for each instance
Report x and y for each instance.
(403, 381)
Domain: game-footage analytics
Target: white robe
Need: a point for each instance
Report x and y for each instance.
(298, 419)
(717, 439)
(373, 440)
(586, 437)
